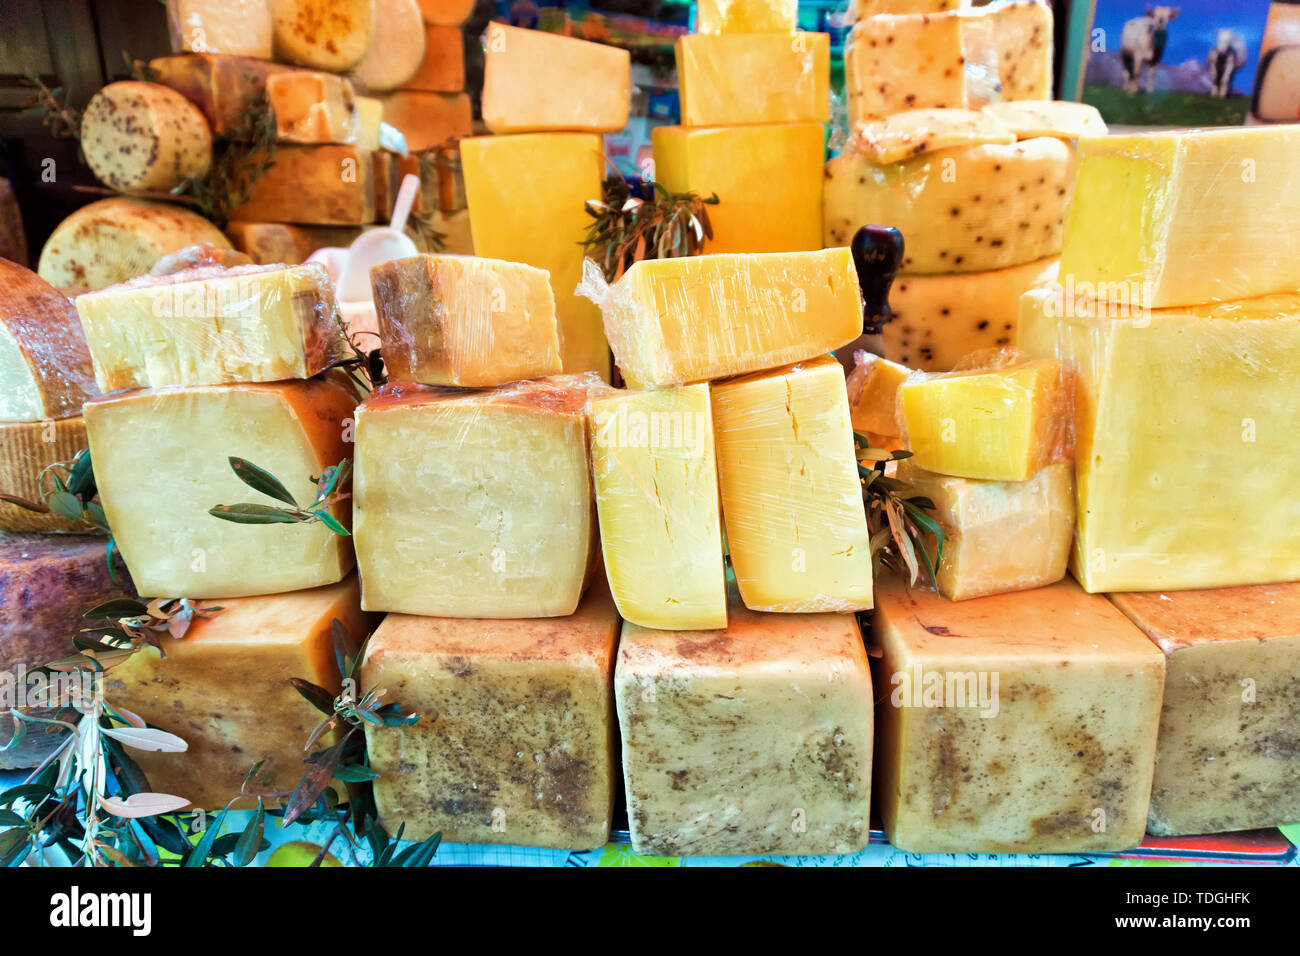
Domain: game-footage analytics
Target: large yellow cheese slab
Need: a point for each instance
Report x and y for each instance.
(475, 503)
(1017, 723)
(213, 327)
(460, 320)
(962, 209)
(1183, 218)
(746, 16)
(741, 78)
(1002, 424)
(314, 185)
(741, 164)
(539, 81)
(161, 464)
(515, 741)
(791, 496)
(1228, 756)
(1185, 448)
(689, 319)
(755, 739)
(656, 481)
(940, 318)
(224, 689)
(527, 198)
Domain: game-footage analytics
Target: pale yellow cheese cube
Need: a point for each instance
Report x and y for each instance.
(741, 78)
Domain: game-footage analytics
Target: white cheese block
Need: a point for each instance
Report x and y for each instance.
(235, 27)
(142, 137)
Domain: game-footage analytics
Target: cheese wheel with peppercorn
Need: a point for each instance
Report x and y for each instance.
(144, 137)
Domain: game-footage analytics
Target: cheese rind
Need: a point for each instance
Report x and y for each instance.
(313, 107)
(442, 69)
(222, 87)
(751, 740)
(656, 481)
(314, 185)
(26, 449)
(157, 501)
(475, 503)
(791, 496)
(539, 81)
(743, 78)
(397, 48)
(322, 34)
(455, 320)
(1016, 723)
(673, 321)
(428, 119)
(746, 16)
(235, 27)
(515, 742)
(144, 137)
(1228, 754)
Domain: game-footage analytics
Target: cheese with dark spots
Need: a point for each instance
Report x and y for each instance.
(322, 34)
(144, 137)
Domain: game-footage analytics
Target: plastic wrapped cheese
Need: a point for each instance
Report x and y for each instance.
(746, 16)
(873, 386)
(742, 78)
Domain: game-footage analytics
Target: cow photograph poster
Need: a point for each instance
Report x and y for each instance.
(1190, 63)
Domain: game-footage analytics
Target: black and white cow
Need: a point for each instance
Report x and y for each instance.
(1142, 44)
(1224, 60)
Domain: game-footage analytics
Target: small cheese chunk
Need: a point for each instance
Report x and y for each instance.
(533, 80)
(45, 367)
(314, 185)
(222, 87)
(370, 116)
(450, 13)
(746, 16)
(1023, 29)
(235, 27)
(515, 741)
(161, 462)
(656, 481)
(751, 740)
(213, 326)
(910, 133)
(1002, 424)
(457, 320)
(672, 321)
(527, 198)
(1060, 118)
(873, 395)
(26, 449)
(999, 536)
(322, 34)
(442, 69)
(224, 689)
(478, 503)
(144, 137)
(740, 78)
(428, 119)
(1228, 755)
(269, 243)
(1017, 723)
(313, 108)
(791, 496)
(738, 164)
(397, 48)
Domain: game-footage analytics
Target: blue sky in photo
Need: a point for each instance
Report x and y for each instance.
(1192, 34)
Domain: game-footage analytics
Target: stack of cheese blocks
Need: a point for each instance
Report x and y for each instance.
(955, 141)
(754, 100)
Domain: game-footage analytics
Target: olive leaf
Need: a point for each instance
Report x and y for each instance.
(328, 492)
(896, 514)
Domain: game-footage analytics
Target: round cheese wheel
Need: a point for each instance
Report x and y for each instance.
(140, 137)
(322, 34)
(397, 49)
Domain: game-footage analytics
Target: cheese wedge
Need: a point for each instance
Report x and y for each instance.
(791, 496)
(234, 27)
(427, 120)
(527, 198)
(322, 34)
(470, 504)
(910, 133)
(1023, 29)
(455, 320)
(1017, 723)
(738, 164)
(873, 395)
(442, 68)
(746, 16)
(268, 243)
(1161, 398)
(740, 78)
(222, 87)
(26, 449)
(397, 48)
(314, 185)
(1226, 758)
(672, 321)
(200, 691)
(755, 739)
(313, 107)
(528, 705)
(157, 501)
(656, 482)
(1066, 120)
(144, 137)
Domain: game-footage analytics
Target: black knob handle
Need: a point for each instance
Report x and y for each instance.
(877, 255)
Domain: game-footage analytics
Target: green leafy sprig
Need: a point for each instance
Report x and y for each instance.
(328, 493)
(896, 514)
(68, 490)
(57, 114)
(627, 229)
(239, 159)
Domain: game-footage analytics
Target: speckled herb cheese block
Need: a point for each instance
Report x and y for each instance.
(144, 137)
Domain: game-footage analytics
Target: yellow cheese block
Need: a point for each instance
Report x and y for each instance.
(457, 320)
(751, 740)
(428, 119)
(442, 70)
(322, 34)
(1161, 399)
(1016, 723)
(26, 449)
(314, 185)
(740, 164)
(1023, 29)
(1183, 218)
(267, 243)
(740, 78)
(1000, 536)
(873, 395)
(202, 690)
(672, 321)
(313, 107)
(539, 81)
(475, 503)
(397, 48)
(964, 209)
(900, 136)
(746, 16)
(791, 496)
(1029, 118)
(515, 741)
(370, 114)
(938, 319)
(144, 137)
(157, 503)
(656, 482)
(1226, 758)
(527, 199)
(1001, 424)
(236, 27)
(222, 87)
